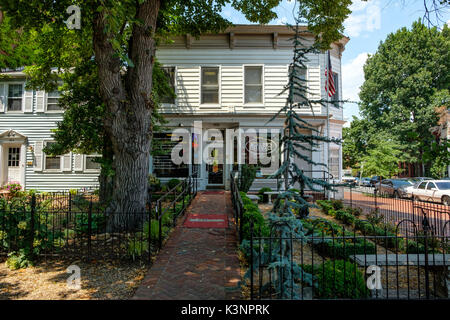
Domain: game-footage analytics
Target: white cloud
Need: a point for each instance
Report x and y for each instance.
(448, 23)
(365, 16)
(353, 77)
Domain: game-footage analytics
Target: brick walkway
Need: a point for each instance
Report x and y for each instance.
(195, 263)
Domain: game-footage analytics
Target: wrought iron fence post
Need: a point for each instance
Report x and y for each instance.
(251, 261)
(160, 227)
(149, 237)
(351, 198)
(375, 197)
(32, 218)
(426, 228)
(89, 227)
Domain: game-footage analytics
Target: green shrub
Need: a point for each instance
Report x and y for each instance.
(18, 260)
(154, 230)
(154, 183)
(173, 183)
(338, 279)
(252, 213)
(355, 211)
(137, 246)
(326, 207)
(337, 204)
(246, 177)
(345, 217)
(98, 223)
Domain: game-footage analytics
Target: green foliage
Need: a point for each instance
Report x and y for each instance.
(338, 279)
(13, 188)
(18, 260)
(153, 230)
(264, 189)
(173, 183)
(137, 246)
(98, 223)
(252, 213)
(154, 183)
(405, 81)
(246, 177)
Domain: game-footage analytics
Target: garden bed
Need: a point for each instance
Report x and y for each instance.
(47, 281)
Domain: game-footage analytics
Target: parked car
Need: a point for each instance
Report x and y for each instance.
(433, 190)
(394, 187)
(346, 178)
(374, 180)
(365, 182)
(417, 180)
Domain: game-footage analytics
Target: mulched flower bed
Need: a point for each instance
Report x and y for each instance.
(47, 281)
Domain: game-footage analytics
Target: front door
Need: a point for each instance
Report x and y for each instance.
(215, 170)
(13, 164)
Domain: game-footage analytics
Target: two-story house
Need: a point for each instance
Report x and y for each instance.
(225, 81)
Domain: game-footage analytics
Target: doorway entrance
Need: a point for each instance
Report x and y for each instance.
(215, 169)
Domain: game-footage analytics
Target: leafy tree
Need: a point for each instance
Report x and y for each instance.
(405, 80)
(383, 159)
(291, 204)
(121, 37)
(355, 142)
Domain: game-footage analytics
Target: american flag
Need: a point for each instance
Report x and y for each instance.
(329, 82)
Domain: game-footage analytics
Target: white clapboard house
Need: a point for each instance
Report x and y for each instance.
(224, 81)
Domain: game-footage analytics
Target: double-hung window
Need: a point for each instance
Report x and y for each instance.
(170, 74)
(253, 84)
(53, 101)
(52, 162)
(301, 87)
(210, 85)
(15, 96)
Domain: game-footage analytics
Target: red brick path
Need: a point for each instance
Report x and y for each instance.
(197, 264)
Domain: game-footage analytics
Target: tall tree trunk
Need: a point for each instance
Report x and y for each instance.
(105, 178)
(129, 109)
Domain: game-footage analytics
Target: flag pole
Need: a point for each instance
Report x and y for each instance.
(327, 86)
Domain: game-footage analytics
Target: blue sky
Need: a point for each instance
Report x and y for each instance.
(369, 23)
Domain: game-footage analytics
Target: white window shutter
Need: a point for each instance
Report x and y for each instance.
(2, 97)
(38, 155)
(28, 101)
(67, 162)
(78, 162)
(40, 101)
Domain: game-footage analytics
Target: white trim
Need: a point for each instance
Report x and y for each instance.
(85, 156)
(219, 83)
(254, 104)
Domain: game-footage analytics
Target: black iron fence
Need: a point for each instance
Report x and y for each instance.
(76, 225)
(238, 206)
(331, 262)
(392, 209)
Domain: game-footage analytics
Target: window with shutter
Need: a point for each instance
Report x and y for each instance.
(28, 101)
(40, 101)
(38, 155)
(78, 162)
(91, 163)
(52, 163)
(53, 101)
(15, 97)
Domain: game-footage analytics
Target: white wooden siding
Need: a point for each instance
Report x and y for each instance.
(37, 126)
(188, 64)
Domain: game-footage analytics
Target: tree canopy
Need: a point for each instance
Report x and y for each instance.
(405, 80)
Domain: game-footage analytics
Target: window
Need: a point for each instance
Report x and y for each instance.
(53, 101)
(52, 162)
(163, 166)
(422, 185)
(253, 84)
(335, 97)
(170, 74)
(210, 85)
(92, 163)
(334, 163)
(15, 92)
(300, 95)
(431, 185)
(13, 157)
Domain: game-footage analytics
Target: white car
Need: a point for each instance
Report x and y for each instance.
(348, 179)
(433, 190)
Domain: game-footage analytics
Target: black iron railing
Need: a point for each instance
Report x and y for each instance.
(76, 225)
(238, 206)
(332, 262)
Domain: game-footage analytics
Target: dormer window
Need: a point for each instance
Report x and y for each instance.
(15, 96)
